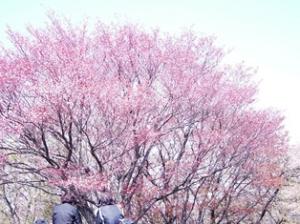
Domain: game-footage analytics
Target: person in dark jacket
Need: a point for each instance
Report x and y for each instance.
(108, 211)
(67, 212)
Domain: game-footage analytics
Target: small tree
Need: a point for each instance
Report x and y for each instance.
(158, 120)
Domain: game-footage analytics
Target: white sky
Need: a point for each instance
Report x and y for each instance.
(263, 33)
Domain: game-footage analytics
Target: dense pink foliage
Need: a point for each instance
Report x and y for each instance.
(158, 120)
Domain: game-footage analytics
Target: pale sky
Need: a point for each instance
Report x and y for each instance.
(263, 33)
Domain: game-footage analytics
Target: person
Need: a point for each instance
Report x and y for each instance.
(40, 221)
(67, 212)
(108, 211)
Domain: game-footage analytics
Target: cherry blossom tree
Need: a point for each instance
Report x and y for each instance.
(159, 120)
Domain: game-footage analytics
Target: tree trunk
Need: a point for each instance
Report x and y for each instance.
(88, 214)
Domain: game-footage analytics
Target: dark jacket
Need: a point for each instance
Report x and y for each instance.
(108, 214)
(66, 214)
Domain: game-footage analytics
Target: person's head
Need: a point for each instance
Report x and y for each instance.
(69, 198)
(107, 199)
